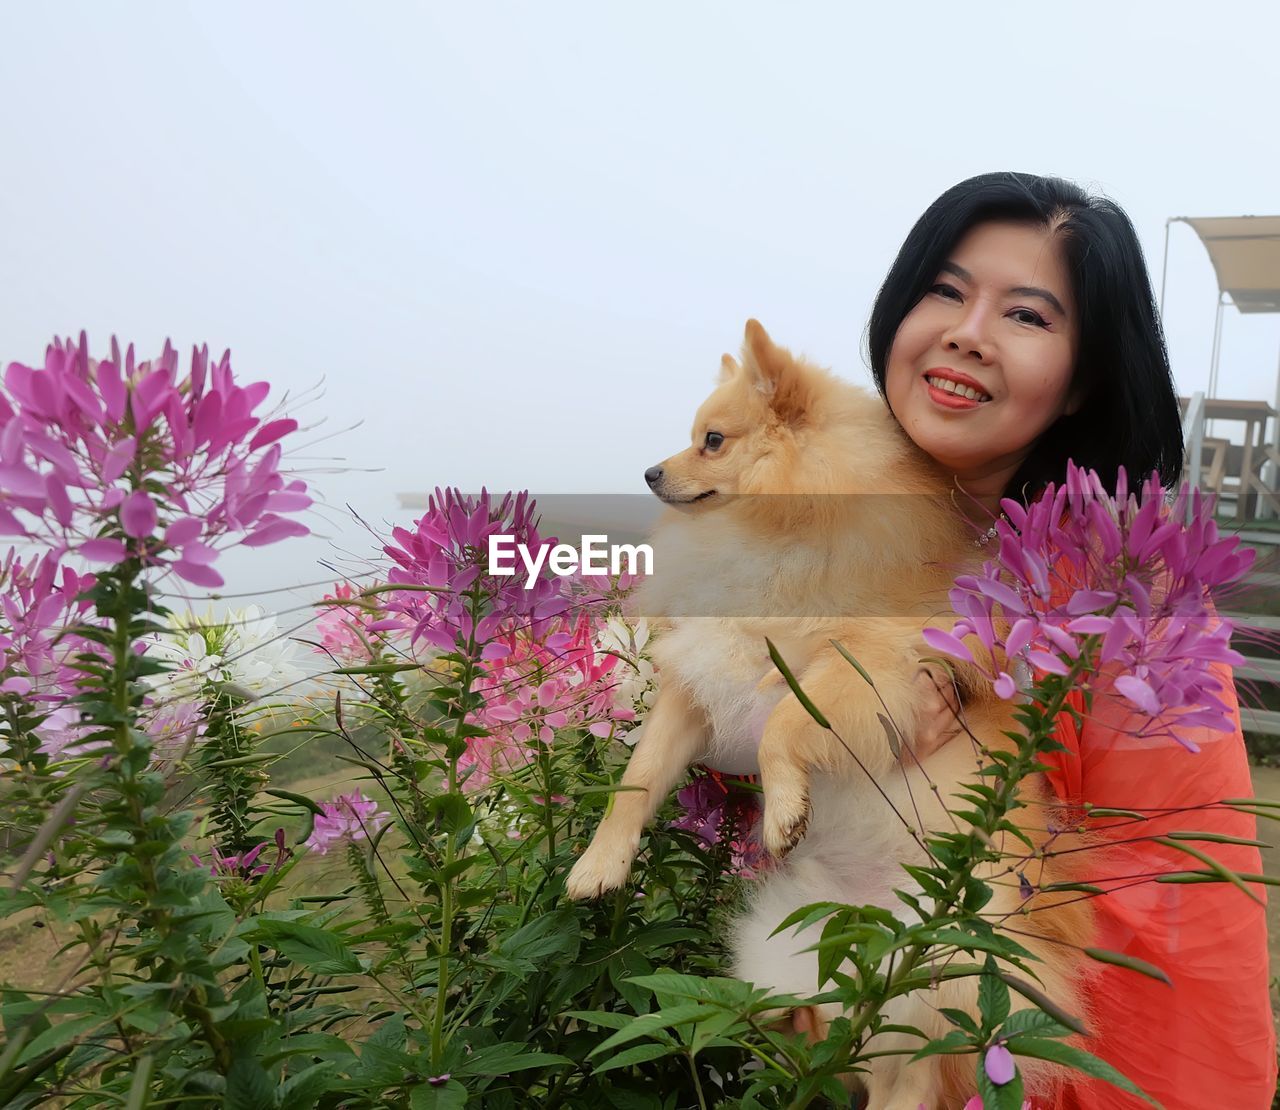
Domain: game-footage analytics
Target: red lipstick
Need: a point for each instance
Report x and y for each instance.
(956, 376)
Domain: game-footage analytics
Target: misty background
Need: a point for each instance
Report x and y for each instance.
(513, 240)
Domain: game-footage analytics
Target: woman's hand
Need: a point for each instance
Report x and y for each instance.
(939, 718)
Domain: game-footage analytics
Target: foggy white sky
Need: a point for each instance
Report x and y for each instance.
(515, 239)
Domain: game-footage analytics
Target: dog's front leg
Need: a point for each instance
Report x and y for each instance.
(794, 745)
(673, 736)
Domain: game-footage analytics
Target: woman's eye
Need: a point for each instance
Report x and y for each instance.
(948, 291)
(713, 441)
(1027, 316)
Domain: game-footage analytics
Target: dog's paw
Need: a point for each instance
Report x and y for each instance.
(599, 870)
(786, 820)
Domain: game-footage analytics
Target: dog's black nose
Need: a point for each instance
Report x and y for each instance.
(653, 475)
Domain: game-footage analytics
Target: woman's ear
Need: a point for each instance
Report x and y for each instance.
(1076, 397)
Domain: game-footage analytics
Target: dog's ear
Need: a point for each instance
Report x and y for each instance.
(773, 371)
(729, 369)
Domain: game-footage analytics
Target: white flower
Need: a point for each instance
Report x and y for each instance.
(634, 675)
(257, 655)
(192, 664)
(244, 647)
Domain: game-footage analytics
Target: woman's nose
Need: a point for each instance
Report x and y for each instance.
(971, 333)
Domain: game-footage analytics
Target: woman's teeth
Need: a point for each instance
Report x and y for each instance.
(956, 388)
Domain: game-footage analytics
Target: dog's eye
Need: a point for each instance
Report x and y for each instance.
(714, 440)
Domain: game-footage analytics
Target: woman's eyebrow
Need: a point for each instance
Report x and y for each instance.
(1018, 290)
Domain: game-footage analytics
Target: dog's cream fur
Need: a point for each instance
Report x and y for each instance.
(818, 520)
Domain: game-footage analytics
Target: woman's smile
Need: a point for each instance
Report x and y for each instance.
(953, 390)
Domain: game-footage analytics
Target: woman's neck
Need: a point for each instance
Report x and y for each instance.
(979, 502)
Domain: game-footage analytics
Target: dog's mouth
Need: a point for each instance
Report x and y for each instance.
(689, 500)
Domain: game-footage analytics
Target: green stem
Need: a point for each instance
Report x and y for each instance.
(125, 767)
(450, 846)
(544, 763)
(1006, 788)
(697, 1083)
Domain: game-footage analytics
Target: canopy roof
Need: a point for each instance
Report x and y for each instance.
(1245, 252)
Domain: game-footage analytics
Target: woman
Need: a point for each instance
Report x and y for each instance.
(1016, 329)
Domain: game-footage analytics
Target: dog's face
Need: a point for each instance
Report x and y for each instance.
(744, 435)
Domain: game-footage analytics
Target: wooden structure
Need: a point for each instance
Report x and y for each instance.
(1245, 472)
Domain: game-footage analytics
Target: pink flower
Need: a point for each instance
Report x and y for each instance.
(172, 725)
(999, 1065)
(244, 865)
(41, 607)
(534, 687)
(349, 817)
(457, 602)
(344, 629)
(118, 457)
(62, 734)
(975, 1103)
(40, 603)
(1138, 604)
(715, 809)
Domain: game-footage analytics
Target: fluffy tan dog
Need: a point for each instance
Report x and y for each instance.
(801, 513)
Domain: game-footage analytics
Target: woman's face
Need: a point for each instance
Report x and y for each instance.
(998, 324)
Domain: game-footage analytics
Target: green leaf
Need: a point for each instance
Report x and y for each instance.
(552, 935)
(300, 799)
(1008, 1096)
(311, 1044)
(692, 987)
(999, 946)
(302, 1091)
(451, 1096)
(648, 1024)
(378, 668)
(848, 658)
(1046, 1004)
(1216, 838)
(954, 1040)
(318, 950)
(711, 1027)
(891, 735)
(140, 1085)
(605, 788)
(625, 966)
(1033, 1021)
(62, 1033)
(248, 1087)
(807, 915)
(801, 696)
(1060, 1052)
(503, 1059)
(1104, 956)
(1211, 863)
(606, 1018)
(637, 1054)
(1212, 877)
(993, 996)
(390, 1034)
(961, 1019)
(1084, 888)
(452, 811)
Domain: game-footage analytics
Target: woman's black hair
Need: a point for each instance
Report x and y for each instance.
(1130, 415)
